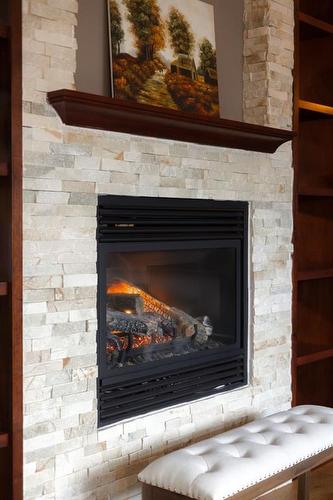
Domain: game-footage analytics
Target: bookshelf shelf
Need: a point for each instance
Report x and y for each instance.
(4, 440)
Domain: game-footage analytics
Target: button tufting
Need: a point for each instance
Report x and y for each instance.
(231, 462)
(274, 442)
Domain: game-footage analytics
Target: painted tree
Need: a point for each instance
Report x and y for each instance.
(147, 27)
(181, 36)
(117, 32)
(207, 56)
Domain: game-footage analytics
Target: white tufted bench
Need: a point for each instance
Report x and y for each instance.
(246, 462)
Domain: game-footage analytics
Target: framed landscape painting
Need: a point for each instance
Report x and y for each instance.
(163, 53)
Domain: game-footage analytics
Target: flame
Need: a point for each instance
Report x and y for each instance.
(150, 303)
(122, 287)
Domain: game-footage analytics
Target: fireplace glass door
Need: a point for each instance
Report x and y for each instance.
(169, 301)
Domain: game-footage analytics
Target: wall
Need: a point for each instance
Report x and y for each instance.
(65, 168)
(229, 30)
(93, 71)
(93, 59)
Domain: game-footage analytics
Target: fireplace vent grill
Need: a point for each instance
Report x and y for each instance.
(178, 221)
(136, 396)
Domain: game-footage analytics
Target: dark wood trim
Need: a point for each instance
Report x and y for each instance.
(295, 203)
(4, 31)
(298, 470)
(3, 169)
(315, 23)
(303, 490)
(104, 113)
(316, 192)
(4, 440)
(154, 493)
(314, 357)
(3, 288)
(16, 245)
(315, 108)
(315, 274)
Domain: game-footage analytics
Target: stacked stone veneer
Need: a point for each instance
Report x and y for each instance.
(268, 62)
(64, 170)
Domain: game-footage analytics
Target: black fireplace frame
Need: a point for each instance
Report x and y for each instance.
(149, 223)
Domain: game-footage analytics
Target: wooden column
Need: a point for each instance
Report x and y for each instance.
(11, 398)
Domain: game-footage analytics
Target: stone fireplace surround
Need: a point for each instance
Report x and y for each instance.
(66, 457)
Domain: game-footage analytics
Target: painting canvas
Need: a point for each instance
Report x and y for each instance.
(163, 53)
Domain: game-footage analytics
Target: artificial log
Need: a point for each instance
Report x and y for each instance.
(126, 332)
(189, 326)
(122, 323)
(167, 317)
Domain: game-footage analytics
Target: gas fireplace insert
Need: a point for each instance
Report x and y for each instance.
(172, 302)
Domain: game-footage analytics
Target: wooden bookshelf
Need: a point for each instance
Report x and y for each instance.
(315, 356)
(311, 109)
(312, 27)
(3, 289)
(313, 204)
(321, 10)
(4, 31)
(315, 63)
(4, 169)
(315, 382)
(314, 274)
(3, 440)
(315, 192)
(11, 350)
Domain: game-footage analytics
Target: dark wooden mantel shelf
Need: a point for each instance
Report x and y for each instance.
(104, 113)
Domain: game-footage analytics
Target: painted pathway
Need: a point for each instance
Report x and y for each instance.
(155, 92)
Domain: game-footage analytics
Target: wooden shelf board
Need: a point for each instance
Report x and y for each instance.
(4, 440)
(314, 357)
(313, 22)
(315, 274)
(316, 192)
(105, 113)
(3, 288)
(4, 31)
(4, 170)
(314, 110)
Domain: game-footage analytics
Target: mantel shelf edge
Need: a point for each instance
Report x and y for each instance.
(105, 113)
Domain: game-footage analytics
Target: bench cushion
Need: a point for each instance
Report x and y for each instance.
(224, 465)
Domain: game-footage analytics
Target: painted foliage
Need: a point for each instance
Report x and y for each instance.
(163, 53)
